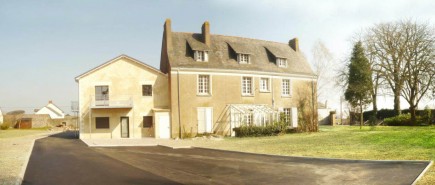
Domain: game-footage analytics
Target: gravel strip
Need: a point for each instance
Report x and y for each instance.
(14, 155)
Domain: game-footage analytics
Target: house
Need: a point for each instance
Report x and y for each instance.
(123, 98)
(51, 109)
(207, 83)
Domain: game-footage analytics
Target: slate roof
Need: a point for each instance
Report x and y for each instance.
(223, 54)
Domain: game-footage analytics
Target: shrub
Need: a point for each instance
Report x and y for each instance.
(274, 129)
(4, 126)
(400, 120)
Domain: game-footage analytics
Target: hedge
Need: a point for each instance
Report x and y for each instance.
(389, 113)
(256, 131)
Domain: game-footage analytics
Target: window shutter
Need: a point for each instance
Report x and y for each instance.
(294, 115)
(201, 120)
(208, 120)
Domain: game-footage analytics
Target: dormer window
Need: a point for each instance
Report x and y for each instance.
(201, 56)
(243, 58)
(281, 62)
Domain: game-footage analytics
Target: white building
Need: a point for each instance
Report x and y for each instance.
(52, 110)
(1, 116)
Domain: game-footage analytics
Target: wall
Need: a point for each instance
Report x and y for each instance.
(125, 79)
(226, 89)
(41, 120)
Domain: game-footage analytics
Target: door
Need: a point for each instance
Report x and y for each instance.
(164, 128)
(124, 127)
(205, 119)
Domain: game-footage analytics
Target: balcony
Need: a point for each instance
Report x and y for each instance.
(111, 102)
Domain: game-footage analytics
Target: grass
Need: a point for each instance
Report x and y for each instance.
(12, 133)
(371, 143)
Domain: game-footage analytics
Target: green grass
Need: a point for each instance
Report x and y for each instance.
(371, 143)
(11, 133)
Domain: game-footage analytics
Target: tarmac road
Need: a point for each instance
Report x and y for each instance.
(62, 160)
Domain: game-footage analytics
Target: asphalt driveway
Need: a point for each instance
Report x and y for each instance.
(62, 160)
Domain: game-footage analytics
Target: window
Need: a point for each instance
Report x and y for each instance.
(102, 92)
(247, 119)
(102, 122)
(147, 90)
(204, 84)
(243, 58)
(147, 121)
(264, 85)
(201, 56)
(285, 87)
(281, 62)
(247, 86)
(287, 115)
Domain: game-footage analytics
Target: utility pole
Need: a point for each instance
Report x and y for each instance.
(75, 110)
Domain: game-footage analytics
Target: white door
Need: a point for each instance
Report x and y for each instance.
(205, 119)
(164, 128)
(124, 127)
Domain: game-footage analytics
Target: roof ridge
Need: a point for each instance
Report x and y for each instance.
(276, 42)
(115, 59)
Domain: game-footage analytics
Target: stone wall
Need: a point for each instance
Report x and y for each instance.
(40, 120)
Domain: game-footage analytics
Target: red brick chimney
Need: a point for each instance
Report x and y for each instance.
(206, 33)
(294, 44)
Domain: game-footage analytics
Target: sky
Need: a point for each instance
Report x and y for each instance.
(45, 44)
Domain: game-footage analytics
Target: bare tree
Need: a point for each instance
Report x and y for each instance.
(420, 59)
(323, 63)
(386, 43)
(377, 80)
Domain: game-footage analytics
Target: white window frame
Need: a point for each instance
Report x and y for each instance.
(209, 87)
(251, 88)
(243, 58)
(262, 85)
(248, 119)
(281, 62)
(287, 113)
(286, 90)
(200, 56)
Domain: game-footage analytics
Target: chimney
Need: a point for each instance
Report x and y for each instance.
(294, 44)
(206, 33)
(50, 101)
(166, 46)
(167, 32)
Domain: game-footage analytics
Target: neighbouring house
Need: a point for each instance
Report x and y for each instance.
(207, 83)
(51, 109)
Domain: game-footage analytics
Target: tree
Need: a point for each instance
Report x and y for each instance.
(377, 80)
(419, 56)
(322, 62)
(386, 43)
(359, 82)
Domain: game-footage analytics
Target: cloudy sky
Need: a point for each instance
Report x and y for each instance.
(45, 44)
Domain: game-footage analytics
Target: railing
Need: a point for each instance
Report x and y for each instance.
(122, 101)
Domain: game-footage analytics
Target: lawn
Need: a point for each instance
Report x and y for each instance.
(372, 143)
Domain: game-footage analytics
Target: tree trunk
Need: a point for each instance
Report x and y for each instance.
(413, 116)
(361, 118)
(375, 107)
(397, 103)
